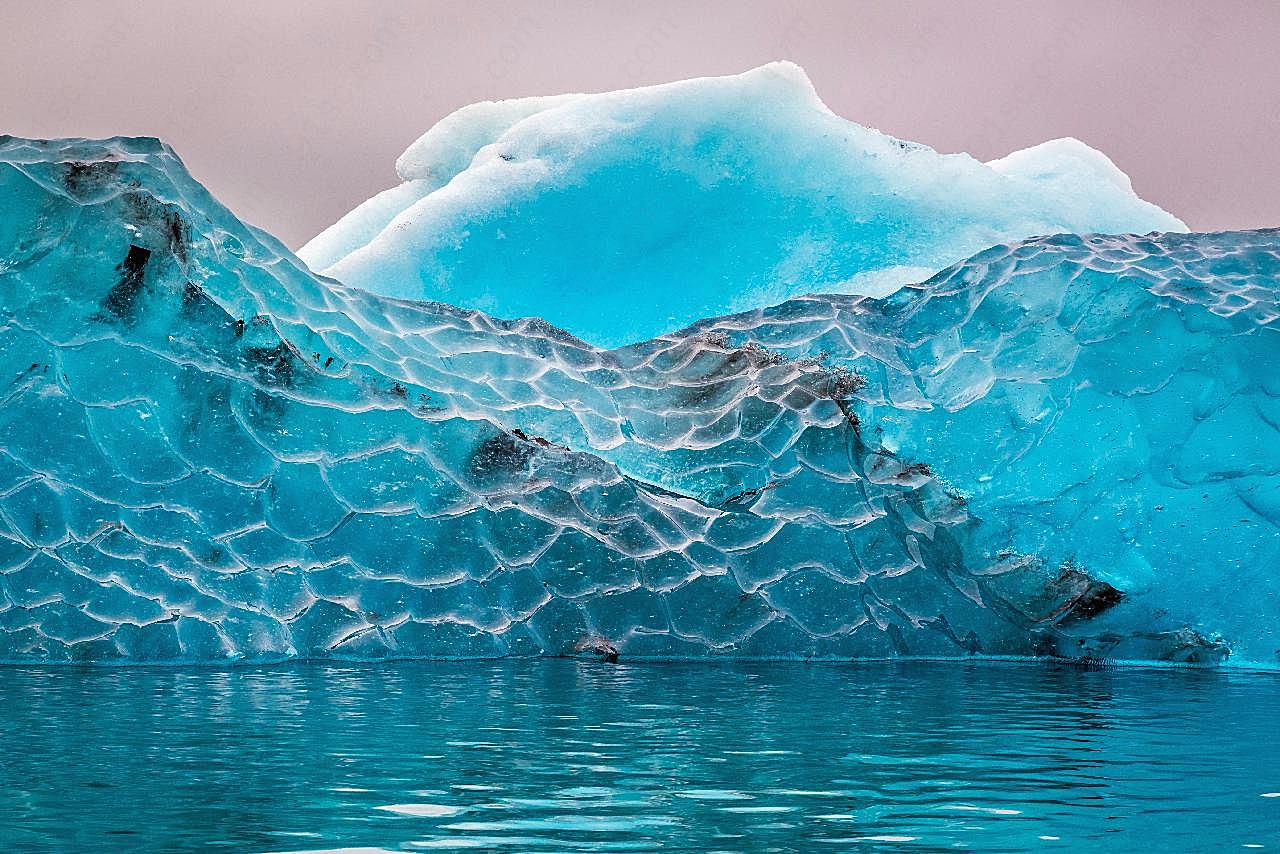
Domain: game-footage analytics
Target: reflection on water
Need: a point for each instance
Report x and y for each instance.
(565, 756)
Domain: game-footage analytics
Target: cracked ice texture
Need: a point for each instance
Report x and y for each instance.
(625, 215)
(209, 453)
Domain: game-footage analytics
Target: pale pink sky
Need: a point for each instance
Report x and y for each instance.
(294, 112)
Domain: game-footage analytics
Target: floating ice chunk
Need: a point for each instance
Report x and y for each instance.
(624, 215)
(421, 810)
(1058, 447)
(1102, 402)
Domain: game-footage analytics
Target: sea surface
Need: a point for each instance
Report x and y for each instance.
(570, 756)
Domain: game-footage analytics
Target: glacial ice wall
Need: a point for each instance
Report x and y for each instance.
(1107, 402)
(208, 453)
(625, 215)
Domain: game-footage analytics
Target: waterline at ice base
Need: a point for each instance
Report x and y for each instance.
(708, 372)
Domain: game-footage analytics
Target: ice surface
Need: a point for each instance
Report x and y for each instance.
(1099, 402)
(1064, 447)
(625, 215)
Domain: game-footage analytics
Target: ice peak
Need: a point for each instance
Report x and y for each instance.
(707, 195)
(1065, 158)
(450, 144)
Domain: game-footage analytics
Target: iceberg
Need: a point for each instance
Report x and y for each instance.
(626, 215)
(1062, 446)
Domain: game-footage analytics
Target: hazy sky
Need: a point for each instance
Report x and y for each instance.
(293, 112)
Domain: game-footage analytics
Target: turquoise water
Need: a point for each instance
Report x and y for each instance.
(566, 756)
